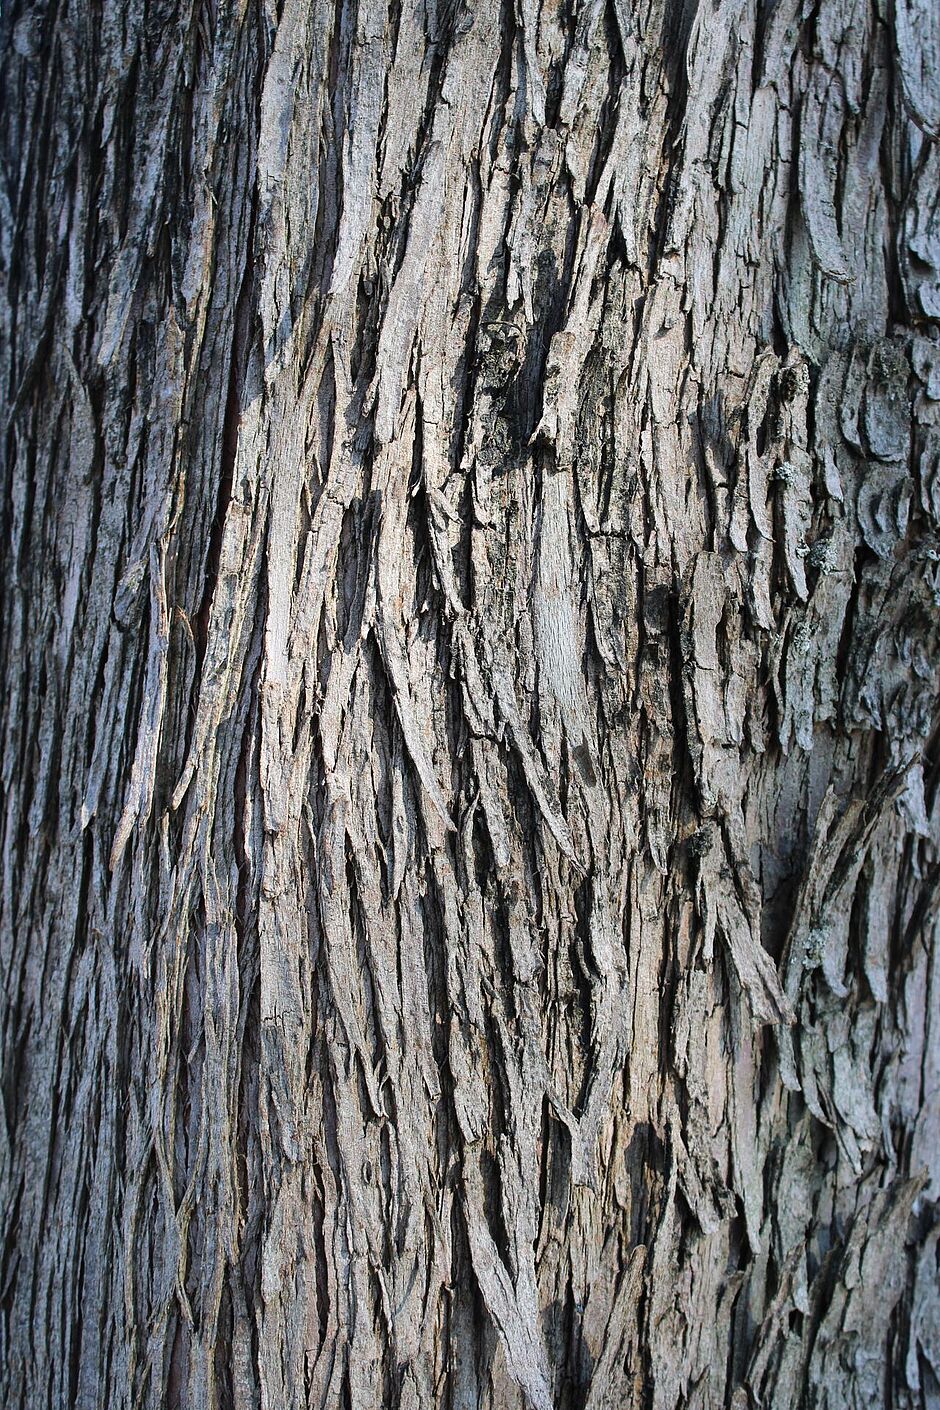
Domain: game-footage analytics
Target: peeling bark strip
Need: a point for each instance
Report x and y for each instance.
(470, 810)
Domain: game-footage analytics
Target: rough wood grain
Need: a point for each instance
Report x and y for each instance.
(470, 794)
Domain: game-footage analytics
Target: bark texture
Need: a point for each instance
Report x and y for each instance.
(469, 814)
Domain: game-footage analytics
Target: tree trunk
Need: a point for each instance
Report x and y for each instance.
(471, 738)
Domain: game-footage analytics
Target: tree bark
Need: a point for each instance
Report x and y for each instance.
(470, 817)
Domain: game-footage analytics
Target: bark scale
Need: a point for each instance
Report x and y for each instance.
(470, 810)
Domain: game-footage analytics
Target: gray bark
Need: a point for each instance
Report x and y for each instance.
(470, 822)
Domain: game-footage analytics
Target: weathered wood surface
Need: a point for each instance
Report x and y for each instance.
(470, 810)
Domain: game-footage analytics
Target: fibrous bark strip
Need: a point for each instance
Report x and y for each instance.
(469, 643)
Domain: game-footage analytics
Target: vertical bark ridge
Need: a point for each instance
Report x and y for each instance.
(470, 811)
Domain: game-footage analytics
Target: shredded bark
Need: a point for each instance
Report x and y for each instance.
(469, 807)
